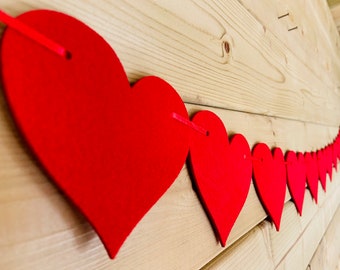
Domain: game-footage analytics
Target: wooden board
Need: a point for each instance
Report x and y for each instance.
(335, 10)
(327, 254)
(291, 248)
(174, 229)
(312, 234)
(242, 254)
(313, 39)
(263, 83)
(259, 74)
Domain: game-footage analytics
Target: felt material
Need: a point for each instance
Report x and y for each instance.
(329, 161)
(337, 142)
(34, 35)
(114, 150)
(312, 174)
(335, 149)
(322, 168)
(270, 180)
(221, 171)
(296, 178)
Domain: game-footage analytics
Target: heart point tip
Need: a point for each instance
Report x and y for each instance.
(277, 226)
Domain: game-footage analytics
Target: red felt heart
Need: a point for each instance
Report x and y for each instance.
(221, 171)
(329, 161)
(337, 141)
(114, 150)
(296, 178)
(322, 168)
(270, 180)
(335, 149)
(312, 174)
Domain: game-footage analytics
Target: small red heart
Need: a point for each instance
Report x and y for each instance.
(312, 174)
(335, 150)
(337, 141)
(329, 161)
(322, 168)
(270, 180)
(113, 150)
(221, 171)
(296, 178)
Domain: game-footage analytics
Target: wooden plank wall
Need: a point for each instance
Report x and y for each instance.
(236, 58)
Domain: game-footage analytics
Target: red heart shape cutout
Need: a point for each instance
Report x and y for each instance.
(322, 168)
(114, 150)
(221, 171)
(296, 178)
(312, 174)
(335, 147)
(270, 180)
(329, 161)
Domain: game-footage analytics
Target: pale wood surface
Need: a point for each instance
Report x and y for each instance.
(270, 87)
(289, 249)
(300, 254)
(327, 254)
(315, 41)
(38, 223)
(303, 247)
(260, 74)
(250, 252)
(335, 10)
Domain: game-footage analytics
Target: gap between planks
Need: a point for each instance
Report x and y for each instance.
(208, 107)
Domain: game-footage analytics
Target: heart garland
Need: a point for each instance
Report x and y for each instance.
(270, 180)
(114, 149)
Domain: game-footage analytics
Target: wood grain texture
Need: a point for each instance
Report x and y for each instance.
(250, 252)
(313, 39)
(335, 10)
(332, 3)
(267, 84)
(301, 252)
(291, 248)
(327, 255)
(259, 74)
(40, 224)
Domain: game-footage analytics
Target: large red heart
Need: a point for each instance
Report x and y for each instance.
(221, 171)
(312, 174)
(296, 178)
(270, 180)
(113, 150)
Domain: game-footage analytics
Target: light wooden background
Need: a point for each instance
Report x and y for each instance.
(235, 58)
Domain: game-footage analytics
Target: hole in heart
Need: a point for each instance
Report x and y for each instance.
(254, 159)
(68, 55)
(207, 133)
